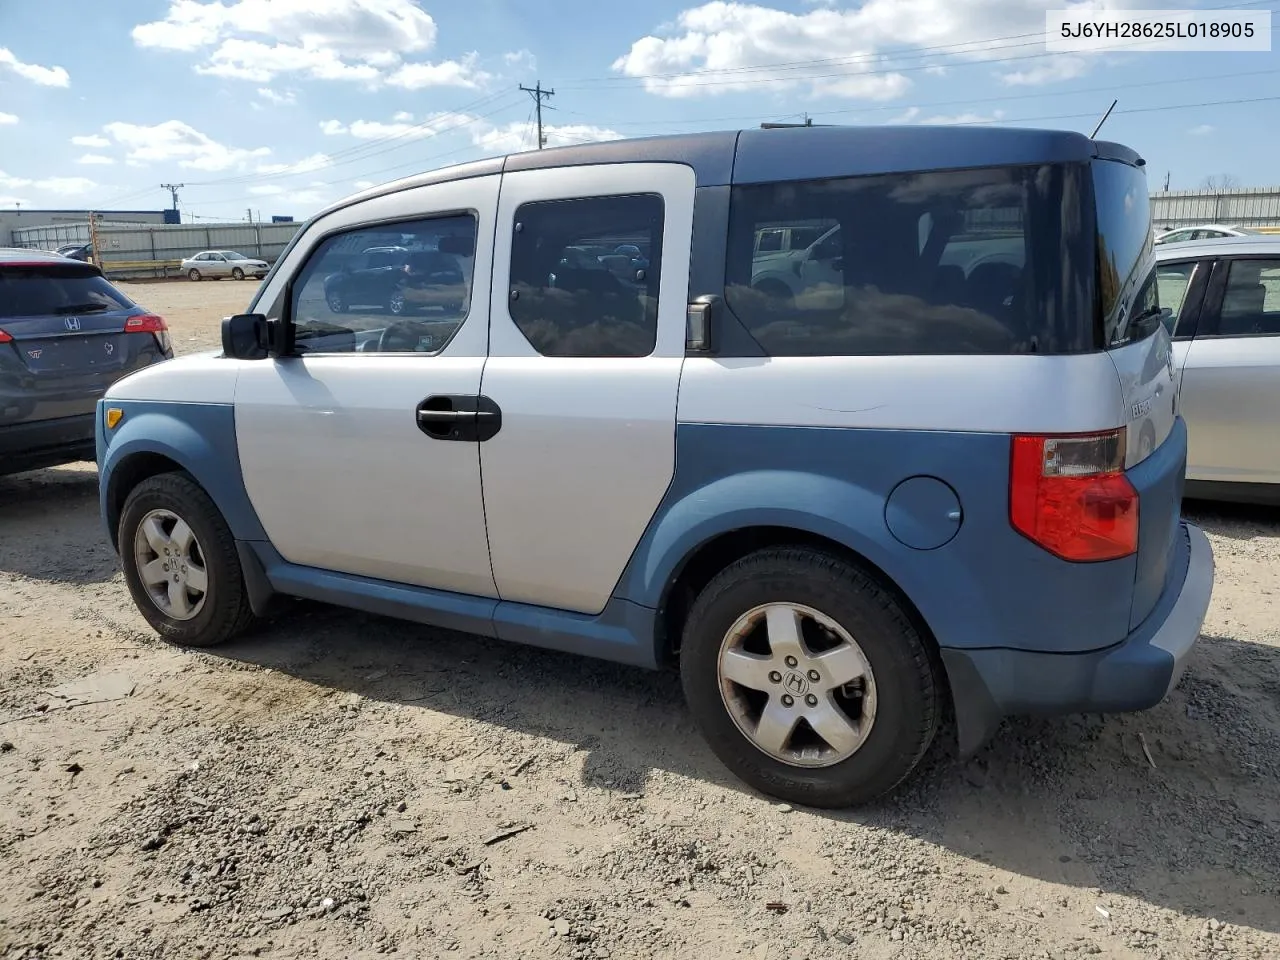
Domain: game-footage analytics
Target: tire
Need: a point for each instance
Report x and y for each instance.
(336, 302)
(193, 275)
(222, 611)
(397, 304)
(902, 696)
(237, 274)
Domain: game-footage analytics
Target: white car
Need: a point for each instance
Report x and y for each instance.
(1205, 231)
(217, 264)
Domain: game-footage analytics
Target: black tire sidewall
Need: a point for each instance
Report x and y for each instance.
(182, 496)
(907, 709)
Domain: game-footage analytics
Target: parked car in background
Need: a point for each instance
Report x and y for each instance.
(906, 508)
(216, 264)
(399, 280)
(1224, 302)
(76, 251)
(66, 335)
(1208, 231)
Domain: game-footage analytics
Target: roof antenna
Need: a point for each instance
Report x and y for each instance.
(1104, 119)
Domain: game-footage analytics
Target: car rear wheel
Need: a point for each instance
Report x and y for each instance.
(808, 679)
(193, 274)
(237, 274)
(180, 563)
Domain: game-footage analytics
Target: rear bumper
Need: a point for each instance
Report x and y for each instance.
(1135, 674)
(46, 443)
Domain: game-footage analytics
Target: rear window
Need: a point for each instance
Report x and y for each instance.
(986, 261)
(39, 291)
(1128, 292)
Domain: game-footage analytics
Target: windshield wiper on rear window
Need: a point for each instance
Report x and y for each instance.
(82, 308)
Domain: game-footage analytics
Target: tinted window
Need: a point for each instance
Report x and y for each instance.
(1251, 302)
(573, 294)
(770, 240)
(991, 261)
(1124, 246)
(409, 294)
(53, 291)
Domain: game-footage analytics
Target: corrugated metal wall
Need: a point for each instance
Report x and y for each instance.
(1252, 207)
(150, 250)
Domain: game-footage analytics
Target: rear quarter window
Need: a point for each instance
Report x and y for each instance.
(986, 261)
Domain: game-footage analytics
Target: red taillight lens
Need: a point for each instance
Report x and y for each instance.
(147, 323)
(1070, 495)
(4, 337)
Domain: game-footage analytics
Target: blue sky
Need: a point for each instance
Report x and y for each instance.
(281, 106)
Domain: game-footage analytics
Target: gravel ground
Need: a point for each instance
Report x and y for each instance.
(339, 785)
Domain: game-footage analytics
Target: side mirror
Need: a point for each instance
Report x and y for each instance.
(700, 325)
(246, 337)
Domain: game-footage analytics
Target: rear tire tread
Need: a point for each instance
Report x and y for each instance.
(841, 590)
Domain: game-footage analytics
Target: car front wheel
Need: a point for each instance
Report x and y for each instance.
(808, 679)
(180, 562)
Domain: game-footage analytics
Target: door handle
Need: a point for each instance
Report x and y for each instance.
(458, 417)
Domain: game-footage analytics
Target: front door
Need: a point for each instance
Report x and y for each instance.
(585, 365)
(347, 448)
(1230, 392)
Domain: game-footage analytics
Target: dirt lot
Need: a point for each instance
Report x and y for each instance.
(340, 785)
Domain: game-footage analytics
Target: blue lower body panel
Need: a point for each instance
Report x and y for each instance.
(989, 684)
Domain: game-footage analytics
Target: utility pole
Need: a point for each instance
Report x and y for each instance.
(1166, 182)
(95, 254)
(539, 95)
(249, 214)
(173, 188)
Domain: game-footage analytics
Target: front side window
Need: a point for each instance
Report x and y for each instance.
(986, 261)
(392, 288)
(585, 275)
(1251, 302)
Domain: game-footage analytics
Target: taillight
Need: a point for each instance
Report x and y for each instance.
(147, 323)
(1070, 495)
(4, 337)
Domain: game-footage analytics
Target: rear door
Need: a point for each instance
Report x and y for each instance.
(1231, 377)
(585, 367)
(63, 339)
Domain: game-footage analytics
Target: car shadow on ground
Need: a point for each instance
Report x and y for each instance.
(1174, 807)
(51, 528)
(1239, 521)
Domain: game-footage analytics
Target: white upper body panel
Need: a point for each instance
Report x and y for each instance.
(199, 378)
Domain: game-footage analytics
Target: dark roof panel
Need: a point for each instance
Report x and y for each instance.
(815, 153)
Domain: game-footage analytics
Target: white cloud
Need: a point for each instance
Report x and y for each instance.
(403, 116)
(60, 186)
(316, 161)
(362, 184)
(520, 60)
(7, 118)
(266, 190)
(92, 140)
(95, 158)
(1053, 71)
(430, 126)
(44, 76)
(446, 73)
(174, 141)
(354, 40)
(517, 136)
(1203, 130)
(852, 51)
(285, 99)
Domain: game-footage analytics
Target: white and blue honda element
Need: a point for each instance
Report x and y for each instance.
(870, 431)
